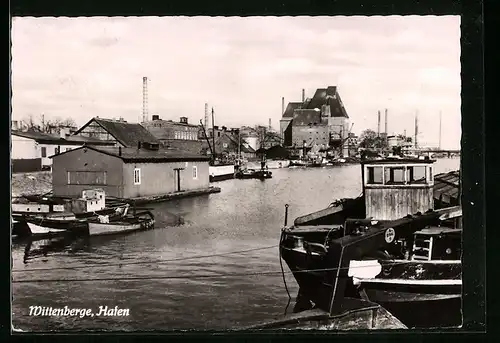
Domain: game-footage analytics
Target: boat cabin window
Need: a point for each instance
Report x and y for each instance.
(394, 176)
(375, 176)
(398, 175)
(416, 174)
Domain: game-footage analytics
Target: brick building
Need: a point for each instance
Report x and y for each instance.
(179, 135)
(320, 120)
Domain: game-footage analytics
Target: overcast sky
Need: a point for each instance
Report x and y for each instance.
(86, 67)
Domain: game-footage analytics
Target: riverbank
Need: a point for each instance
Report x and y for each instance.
(31, 183)
(176, 195)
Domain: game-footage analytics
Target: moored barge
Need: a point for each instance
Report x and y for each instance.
(389, 246)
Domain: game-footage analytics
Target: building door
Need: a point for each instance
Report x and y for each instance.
(177, 179)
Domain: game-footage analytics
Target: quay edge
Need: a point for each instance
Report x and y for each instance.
(177, 195)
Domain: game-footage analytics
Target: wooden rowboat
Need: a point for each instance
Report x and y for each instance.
(138, 222)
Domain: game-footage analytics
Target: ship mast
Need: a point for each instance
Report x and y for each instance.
(213, 134)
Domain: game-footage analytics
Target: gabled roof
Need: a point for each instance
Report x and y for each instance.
(244, 148)
(127, 134)
(143, 155)
(328, 96)
(290, 108)
(322, 96)
(45, 138)
(306, 117)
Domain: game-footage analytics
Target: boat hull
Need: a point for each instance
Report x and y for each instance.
(411, 300)
(220, 173)
(102, 229)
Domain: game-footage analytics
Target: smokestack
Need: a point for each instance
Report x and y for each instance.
(270, 128)
(416, 129)
(303, 95)
(282, 105)
(386, 133)
(378, 125)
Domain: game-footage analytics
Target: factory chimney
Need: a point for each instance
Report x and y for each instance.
(282, 105)
(386, 133)
(416, 130)
(303, 95)
(378, 124)
(270, 127)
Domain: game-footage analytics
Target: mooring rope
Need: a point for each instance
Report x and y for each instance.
(121, 264)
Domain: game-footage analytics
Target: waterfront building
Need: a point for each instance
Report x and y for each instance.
(227, 145)
(320, 120)
(178, 135)
(143, 171)
(119, 132)
(31, 150)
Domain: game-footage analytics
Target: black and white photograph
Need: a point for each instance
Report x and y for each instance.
(236, 173)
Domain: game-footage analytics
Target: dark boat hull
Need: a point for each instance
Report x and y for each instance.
(255, 175)
(420, 309)
(418, 305)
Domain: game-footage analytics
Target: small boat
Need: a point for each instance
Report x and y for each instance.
(138, 222)
(298, 163)
(253, 174)
(57, 223)
(60, 223)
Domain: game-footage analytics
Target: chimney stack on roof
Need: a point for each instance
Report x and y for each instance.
(303, 95)
(184, 120)
(155, 117)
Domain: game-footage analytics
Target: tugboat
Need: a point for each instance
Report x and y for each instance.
(389, 246)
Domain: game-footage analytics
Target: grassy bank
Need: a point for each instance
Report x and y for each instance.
(31, 183)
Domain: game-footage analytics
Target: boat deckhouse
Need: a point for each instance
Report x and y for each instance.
(394, 188)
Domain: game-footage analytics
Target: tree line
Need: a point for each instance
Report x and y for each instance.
(46, 125)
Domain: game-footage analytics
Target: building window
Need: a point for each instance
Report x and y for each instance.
(44, 151)
(137, 176)
(195, 172)
(224, 145)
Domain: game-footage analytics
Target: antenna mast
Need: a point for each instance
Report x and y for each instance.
(144, 98)
(206, 115)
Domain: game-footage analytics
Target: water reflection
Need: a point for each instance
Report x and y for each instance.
(44, 248)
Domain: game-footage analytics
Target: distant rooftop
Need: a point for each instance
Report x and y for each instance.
(127, 134)
(41, 137)
(145, 155)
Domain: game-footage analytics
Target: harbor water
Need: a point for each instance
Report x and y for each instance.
(183, 274)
